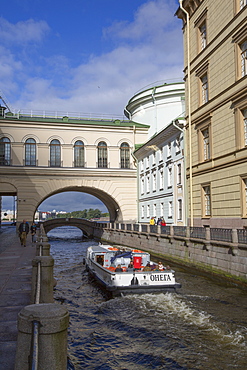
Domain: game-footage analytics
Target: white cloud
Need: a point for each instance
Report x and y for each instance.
(149, 22)
(23, 31)
(147, 50)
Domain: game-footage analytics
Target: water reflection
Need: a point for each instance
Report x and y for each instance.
(201, 327)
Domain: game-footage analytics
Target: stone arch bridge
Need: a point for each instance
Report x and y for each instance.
(33, 168)
(85, 226)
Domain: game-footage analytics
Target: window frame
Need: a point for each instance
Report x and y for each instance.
(102, 155)
(30, 151)
(5, 144)
(203, 83)
(198, 24)
(124, 155)
(202, 127)
(206, 201)
(244, 197)
(55, 151)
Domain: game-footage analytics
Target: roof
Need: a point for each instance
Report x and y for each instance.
(80, 121)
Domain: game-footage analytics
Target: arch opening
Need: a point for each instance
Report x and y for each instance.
(67, 202)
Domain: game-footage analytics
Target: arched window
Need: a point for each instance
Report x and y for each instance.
(102, 155)
(30, 152)
(79, 154)
(5, 152)
(124, 155)
(55, 153)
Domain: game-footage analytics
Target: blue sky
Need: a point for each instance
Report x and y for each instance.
(86, 56)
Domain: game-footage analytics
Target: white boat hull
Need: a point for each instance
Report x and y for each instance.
(133, 282)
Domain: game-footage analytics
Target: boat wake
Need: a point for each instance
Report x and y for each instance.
(168, 305)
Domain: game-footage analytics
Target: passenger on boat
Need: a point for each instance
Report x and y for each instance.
(147, 267)
(119, 268)
(160, 266)
(130, 268)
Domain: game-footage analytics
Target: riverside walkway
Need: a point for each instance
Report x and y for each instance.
(15, 289)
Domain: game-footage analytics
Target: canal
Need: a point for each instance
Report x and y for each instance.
(203, 326)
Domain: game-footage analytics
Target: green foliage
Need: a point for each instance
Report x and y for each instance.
(86, 213)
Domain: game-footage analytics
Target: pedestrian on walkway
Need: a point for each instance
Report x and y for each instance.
(23, 231)
(33, 232)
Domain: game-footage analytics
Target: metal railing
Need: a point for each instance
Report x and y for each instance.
(64, 114)
(221, 234)
(217, 234)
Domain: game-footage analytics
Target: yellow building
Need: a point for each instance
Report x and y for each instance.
(215, 59)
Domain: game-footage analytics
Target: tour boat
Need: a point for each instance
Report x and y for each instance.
(104, 262)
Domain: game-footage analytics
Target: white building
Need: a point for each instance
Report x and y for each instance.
(161, 159)
(161, 185)
(157, 106)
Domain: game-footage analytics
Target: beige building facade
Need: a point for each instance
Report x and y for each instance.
(41, 156)
(215, 59)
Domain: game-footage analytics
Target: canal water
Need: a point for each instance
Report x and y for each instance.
(202, 327)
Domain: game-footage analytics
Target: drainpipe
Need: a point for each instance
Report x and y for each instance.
(137, 169)
(185, 185)
(189, 112)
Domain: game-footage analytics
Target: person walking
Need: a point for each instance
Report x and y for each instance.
(33, 232)
(23, 231)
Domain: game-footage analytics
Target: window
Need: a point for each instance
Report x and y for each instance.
(147, 162)
(243, 48)
(169, 149)
(179, 174)
(161, 209)
(201, 25)
(124, 155)
(245, 126)
(161, 173)
(30, 152)
(203, 35)
(204, 88)
(5, 151)
(142, 185)
(142, 211)
(154, 158)
(79, 154)
(245, 197)
(148, 183)
(178, 145)
(202, 74)
(242, 3)
(180, 209)
(205, 151)
(206, 201)
(148, 210)
(206, 144)
(55, 153)
(170, 209)
(169, 177)
(154, 210)
(142, 165)
(154, 181)
(102, 155)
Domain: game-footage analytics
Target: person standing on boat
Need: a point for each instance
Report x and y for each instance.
(119, 268)
(23, 231)
(152, 221)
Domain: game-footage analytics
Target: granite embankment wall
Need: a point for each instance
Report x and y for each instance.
(225, 258)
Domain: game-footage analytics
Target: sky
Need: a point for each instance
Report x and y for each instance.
(86, 56)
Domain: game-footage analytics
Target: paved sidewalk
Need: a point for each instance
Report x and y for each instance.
(15, 289)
